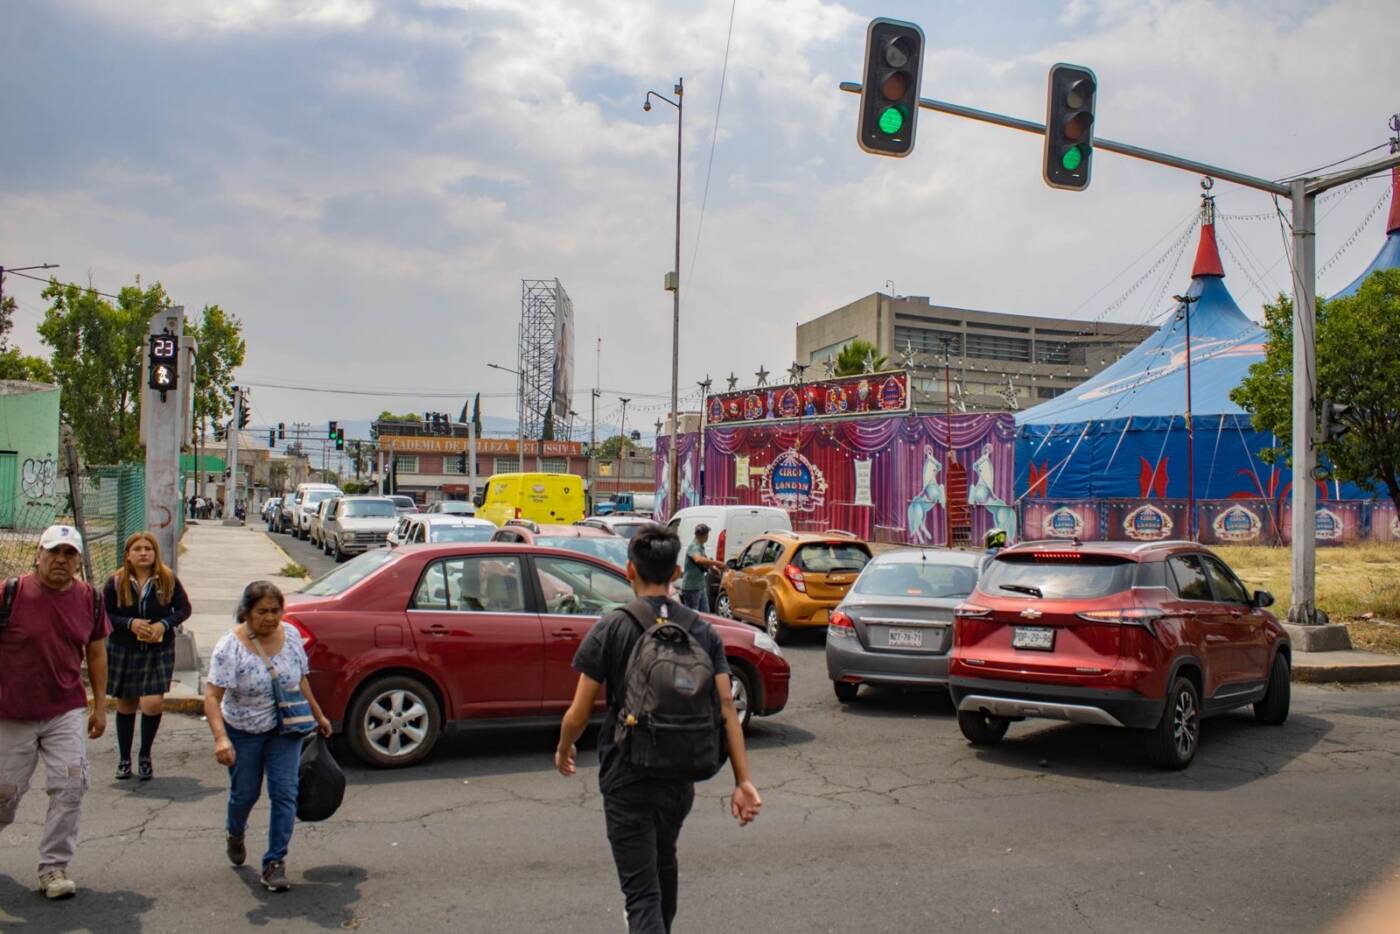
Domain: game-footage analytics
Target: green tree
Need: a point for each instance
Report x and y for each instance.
(97, 348)
(14, 363)
(612, 448)
(221, 350)
(1358, 364)
(851, 360)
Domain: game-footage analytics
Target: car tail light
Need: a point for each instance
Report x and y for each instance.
(517, 512)
(795, 576)
(719, 546)
(307, 639)
(840, 620)
(1129, 616)
(971, 611)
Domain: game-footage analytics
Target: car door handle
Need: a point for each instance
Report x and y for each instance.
(1237, 613)
(437, 629)
(564, 634)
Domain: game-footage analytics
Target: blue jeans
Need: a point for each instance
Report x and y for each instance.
(697, 600)
(279, 756)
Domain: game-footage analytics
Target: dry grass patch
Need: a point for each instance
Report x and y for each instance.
(1356, 584)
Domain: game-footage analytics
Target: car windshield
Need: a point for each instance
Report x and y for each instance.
(405, 502)
(456, 507)
(315, 496)
(350, 573)
(1057, 578)
(461, 533)
(830, 557)
(629, 529)
(365, 508)
(609, 548)
(916, 579)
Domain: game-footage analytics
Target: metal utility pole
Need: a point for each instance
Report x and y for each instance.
(1186, 302)
(673, 283)
(1303, 193)
(231, 488)
(621, 448)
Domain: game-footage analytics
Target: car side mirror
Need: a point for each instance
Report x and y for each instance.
(732, 563)
(1263, 598)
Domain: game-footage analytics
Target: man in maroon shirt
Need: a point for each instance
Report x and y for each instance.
(55, 621)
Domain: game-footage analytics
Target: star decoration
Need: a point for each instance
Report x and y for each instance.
(868, 366)
(762, 375)
(733, 380)
(906, 356)
(705, 384)
(829, 366)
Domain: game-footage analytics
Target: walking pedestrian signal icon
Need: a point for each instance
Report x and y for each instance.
(164, 370)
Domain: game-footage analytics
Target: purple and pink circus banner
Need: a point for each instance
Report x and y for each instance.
(888, 478)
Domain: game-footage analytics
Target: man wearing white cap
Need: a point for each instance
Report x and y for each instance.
(49, 623)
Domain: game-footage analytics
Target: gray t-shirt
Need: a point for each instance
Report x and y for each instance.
(694, 576)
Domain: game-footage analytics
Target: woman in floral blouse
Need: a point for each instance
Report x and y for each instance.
(242, 713)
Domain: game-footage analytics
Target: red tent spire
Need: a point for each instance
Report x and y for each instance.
(1207, 252)
(1393, 224)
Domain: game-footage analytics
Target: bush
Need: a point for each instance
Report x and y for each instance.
(293, 570)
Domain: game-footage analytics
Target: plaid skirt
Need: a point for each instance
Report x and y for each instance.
(134, 671)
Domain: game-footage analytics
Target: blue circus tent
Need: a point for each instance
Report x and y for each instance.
(1123, 432)
(1389, 256)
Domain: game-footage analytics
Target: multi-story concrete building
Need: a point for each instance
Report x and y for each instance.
(991, 356)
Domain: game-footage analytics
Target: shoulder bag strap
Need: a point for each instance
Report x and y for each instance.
(7, 599)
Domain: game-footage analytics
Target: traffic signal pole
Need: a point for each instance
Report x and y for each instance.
(163, 424)
(1303, 193)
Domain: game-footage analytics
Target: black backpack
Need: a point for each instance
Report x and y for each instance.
(7, 600)
(671, 725)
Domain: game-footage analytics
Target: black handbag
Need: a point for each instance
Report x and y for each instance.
(320, 781)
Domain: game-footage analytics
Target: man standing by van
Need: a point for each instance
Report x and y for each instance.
(695, 590)
(644, 813)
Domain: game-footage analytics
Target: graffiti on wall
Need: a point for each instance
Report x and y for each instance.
(39, 478)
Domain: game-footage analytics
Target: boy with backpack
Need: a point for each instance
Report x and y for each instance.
(670, 723)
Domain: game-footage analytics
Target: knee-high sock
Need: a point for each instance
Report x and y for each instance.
(126, 727)
(149, 725)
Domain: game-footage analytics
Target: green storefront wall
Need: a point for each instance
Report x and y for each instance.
(29, 455)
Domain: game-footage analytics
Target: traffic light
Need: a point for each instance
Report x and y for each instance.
(281, 431)
(330, 429)
(1069, 126)
(243, 415)
(1333, 426)
(219, 433)
(340, 439)
(271, 438)
(164, 371)
(461, 463)
(889, 93)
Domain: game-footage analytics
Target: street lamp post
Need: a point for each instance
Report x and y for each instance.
(520, 415)
(621, 449)
(1186, 302)
(674, 284)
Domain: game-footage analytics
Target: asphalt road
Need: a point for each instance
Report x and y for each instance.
(305, 554)
(877, 817)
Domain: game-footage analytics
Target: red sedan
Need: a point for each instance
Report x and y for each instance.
(407, 643)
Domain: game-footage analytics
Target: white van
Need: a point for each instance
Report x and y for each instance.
(305, 503)
(731, 527)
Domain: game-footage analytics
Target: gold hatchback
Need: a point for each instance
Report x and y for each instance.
(790, 580)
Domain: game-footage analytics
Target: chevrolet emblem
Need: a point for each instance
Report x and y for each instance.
(1031, 612)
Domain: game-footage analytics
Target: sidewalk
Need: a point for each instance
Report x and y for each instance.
(1351, 665)
(217, 563)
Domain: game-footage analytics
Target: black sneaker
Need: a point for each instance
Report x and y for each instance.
(237, 852)
(274, 876)
(143, 770)
(123, 769)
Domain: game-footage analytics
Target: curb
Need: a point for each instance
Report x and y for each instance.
(1348, 674)
(184, 705)
(288, 559)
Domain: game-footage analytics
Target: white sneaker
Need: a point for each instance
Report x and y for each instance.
(56, 884)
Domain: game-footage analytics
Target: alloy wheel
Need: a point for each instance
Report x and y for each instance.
(722, 606)
(396, 722)
(771, 623)
(739, 693)
(1186, 724)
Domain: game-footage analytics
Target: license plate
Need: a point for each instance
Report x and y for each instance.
(906, 638)
(1033, 637)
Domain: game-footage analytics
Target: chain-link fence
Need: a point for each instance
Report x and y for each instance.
(113, 506)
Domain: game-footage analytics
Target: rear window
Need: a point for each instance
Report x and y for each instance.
(350, 573)
(1084, 576)
(831, 557)
(610, 548)
(924, 579)
(367, 508)
(462, 533)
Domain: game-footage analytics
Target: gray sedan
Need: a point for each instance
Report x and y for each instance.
(896, 625)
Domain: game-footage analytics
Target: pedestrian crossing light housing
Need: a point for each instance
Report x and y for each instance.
(340, 439)
(164, 368)
(889, 93)
(1069, 127)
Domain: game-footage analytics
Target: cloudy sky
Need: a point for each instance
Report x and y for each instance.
(365, 182)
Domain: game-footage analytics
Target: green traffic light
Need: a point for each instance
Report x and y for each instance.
(1072, 159)
(891, 121)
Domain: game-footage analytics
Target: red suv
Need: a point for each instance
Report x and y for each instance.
(1147, 636)
(407, 644)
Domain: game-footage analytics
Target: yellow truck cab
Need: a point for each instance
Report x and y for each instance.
(541, 497)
